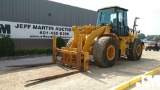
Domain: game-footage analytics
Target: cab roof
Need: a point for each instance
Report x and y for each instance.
(113, 7)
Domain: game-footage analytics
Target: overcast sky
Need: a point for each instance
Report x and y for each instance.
(147, 10)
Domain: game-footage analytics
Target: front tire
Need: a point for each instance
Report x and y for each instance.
(105, 52)
(135, 50)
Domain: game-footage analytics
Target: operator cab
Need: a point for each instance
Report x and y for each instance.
(116, 17)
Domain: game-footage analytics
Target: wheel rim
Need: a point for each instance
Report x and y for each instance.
(138, 50)
(110, 52)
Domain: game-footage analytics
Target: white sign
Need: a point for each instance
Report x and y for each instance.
(36, 31)
(149, 82)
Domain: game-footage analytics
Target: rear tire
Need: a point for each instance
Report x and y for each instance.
(154, 49)
(105, 52)
(146, 49)
(135, 50)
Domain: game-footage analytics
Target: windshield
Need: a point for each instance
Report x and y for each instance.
(106, 16)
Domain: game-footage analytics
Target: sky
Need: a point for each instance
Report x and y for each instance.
(147, 10)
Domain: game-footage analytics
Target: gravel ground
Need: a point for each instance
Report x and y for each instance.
(95, 79)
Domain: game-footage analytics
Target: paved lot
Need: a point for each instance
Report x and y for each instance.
(95, 79)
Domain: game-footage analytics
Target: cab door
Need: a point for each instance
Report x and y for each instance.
(122, 23)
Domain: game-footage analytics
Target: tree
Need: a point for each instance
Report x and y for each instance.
(141, 36)
(60, 42)
(157, 37)
(7, 46)
(150, 37)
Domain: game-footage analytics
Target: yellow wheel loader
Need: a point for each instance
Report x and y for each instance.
(108, 41)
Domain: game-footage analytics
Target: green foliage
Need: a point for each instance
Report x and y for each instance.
(60, 42)
(153, 37)
(6, 47)
(141, 36)
(150, 37)
(33, 52)
(157, 37)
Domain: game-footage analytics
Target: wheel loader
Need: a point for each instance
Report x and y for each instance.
(109, 40)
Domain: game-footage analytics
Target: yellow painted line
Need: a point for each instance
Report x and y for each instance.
(138, 78)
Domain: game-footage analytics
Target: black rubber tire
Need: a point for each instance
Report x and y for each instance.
(69, 43)
(99, 51)
(133, 56)
(146, 49)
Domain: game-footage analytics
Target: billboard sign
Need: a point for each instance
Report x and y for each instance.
(33, 31)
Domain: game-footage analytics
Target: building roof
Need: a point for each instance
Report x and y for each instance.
(113, 7)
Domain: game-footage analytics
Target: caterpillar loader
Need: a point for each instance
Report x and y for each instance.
(109, 40)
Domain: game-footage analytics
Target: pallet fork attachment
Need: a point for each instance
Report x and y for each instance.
(72, 57)
(31, 65)
(56, 76)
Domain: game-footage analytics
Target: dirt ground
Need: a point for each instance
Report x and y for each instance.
(95, 79)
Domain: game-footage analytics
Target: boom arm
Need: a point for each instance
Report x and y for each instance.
(92, 36)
